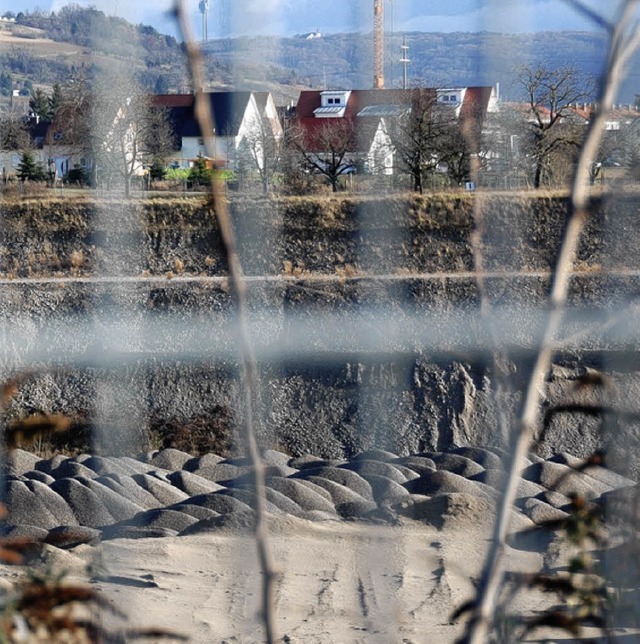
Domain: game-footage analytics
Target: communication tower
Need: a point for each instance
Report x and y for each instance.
(204, 10)
(378, 44)
(404, 48)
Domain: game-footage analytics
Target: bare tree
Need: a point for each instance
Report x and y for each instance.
(329, 148)
(71, 124)
(128, 131)
(624, 41)
(418, 135)
(610, 152)
(459, 149)
(249, 371)
(262, 148)
(14, 132)
(295, 178)
(547, 131)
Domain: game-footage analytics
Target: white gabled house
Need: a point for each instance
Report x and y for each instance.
(241, 120)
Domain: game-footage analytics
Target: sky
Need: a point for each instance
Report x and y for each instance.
(289, 17)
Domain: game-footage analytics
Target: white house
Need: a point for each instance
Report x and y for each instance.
(241, 119)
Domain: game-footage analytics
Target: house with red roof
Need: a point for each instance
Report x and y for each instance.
(371, 114)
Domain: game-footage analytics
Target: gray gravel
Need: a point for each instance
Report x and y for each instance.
(67, 501)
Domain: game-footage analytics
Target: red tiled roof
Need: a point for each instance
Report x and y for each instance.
(525, 108)
(584, 112)
(309, 100)
(313, 129)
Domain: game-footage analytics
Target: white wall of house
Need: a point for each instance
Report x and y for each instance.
(271, 114)
(9, 162)
(380, 155)
(193, 147)
(229, 148)
(63, 158)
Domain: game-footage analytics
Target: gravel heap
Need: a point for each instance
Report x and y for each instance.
(67, 501)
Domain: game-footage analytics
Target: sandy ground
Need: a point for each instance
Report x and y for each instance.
(341, 582)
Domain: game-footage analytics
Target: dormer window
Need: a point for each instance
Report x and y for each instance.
(333, 104)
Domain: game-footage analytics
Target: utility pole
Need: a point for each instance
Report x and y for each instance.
(404, 48)
(378, 44)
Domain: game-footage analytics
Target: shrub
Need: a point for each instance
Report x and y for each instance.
(176, 174)
(78, 175)
(200, 172)
(157, 170)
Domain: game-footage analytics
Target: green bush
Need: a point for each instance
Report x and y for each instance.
(157, 170)
(78, 175)
(176, 174)
(200, 173)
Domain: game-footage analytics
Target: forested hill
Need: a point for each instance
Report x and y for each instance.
(45, 47)
(444, 59)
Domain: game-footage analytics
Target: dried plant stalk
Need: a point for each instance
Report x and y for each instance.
(249, 370)
(625, 37)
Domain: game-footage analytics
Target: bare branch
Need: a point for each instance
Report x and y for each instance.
(238, 289)
(623, 42)
(591, 14)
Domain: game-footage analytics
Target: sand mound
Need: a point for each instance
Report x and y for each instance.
(171, 492)
(379, 548)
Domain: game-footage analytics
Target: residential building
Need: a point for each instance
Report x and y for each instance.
(243, 122)
(371, 113)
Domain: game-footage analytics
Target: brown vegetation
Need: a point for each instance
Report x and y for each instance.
(76, 237)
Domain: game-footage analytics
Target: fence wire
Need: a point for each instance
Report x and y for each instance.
(138, 364)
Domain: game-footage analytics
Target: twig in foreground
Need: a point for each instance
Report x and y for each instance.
(624, 41)
(238, 290)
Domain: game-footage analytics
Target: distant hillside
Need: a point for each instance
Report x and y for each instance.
(345, 60)
(45, 48)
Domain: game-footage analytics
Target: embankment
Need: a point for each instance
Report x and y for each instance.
(364, 312)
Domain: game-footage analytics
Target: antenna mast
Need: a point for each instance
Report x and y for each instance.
(204, 10)
(378, 44)
(404, 48)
